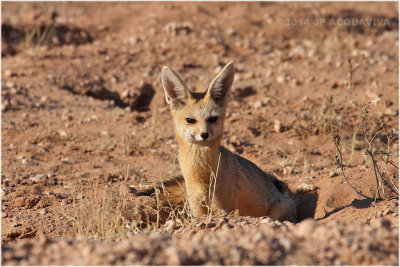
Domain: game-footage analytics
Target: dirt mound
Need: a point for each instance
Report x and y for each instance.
(246, 242)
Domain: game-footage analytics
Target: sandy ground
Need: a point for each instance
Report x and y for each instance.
(85, 125)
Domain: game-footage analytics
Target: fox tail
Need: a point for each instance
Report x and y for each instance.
(171, 191)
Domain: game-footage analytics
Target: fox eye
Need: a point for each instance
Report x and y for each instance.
(212, 119)
(190, 120)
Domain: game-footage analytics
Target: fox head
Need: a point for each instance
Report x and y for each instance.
(198, 117)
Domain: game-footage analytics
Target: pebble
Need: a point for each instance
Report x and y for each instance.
(257, 237)
(231, 32)
(10, 84)
(381, 222)
(4, 192)
(306, 227)
(30, 202)
(278, 126)
(5, 105)
(201, 225)
(386, 212)
(66, 117)
(13, 91)
(258, 104)
(306, 187)
(44, 99)
(16, 224)
(285, 243)
(333, 174)
(64, 134)
(391, 112)
(43, 211)
(266, 220)
(9, 73)
(363, 167)
(281, 78)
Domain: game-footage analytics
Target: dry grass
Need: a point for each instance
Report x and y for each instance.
(107, 214)
(181, 215)
(37, 37)
(386, 187)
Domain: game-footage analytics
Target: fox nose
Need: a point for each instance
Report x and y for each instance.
(204, 135)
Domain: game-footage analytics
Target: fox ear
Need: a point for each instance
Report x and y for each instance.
(221, 85)
(175, 89)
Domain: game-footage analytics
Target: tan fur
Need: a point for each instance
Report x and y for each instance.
(171, 191)
(240, 185)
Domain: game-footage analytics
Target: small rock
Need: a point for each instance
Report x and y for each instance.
(31, 201)
(9, 73)
(4, 192)
(231, 32)
(391, 112)
(44, 99)
(266, 220)
(386, 212)
(281, 78)
(4, 214)
(5, 105)
(363, 167)
(94, 118)
(306, 228)
(16, 224)
(43, 211)
(126, 94)
(201, 225)
(13, 91)
(306, 187)
(10, 84)
(37, 178)
(285, 243)
(258, 104)
(333, 174)
(381, 222)
(64, 134)
(278, 126)
(257, 237)
(134, 39)
(66, 117)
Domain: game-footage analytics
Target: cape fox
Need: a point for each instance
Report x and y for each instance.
(236, 184)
